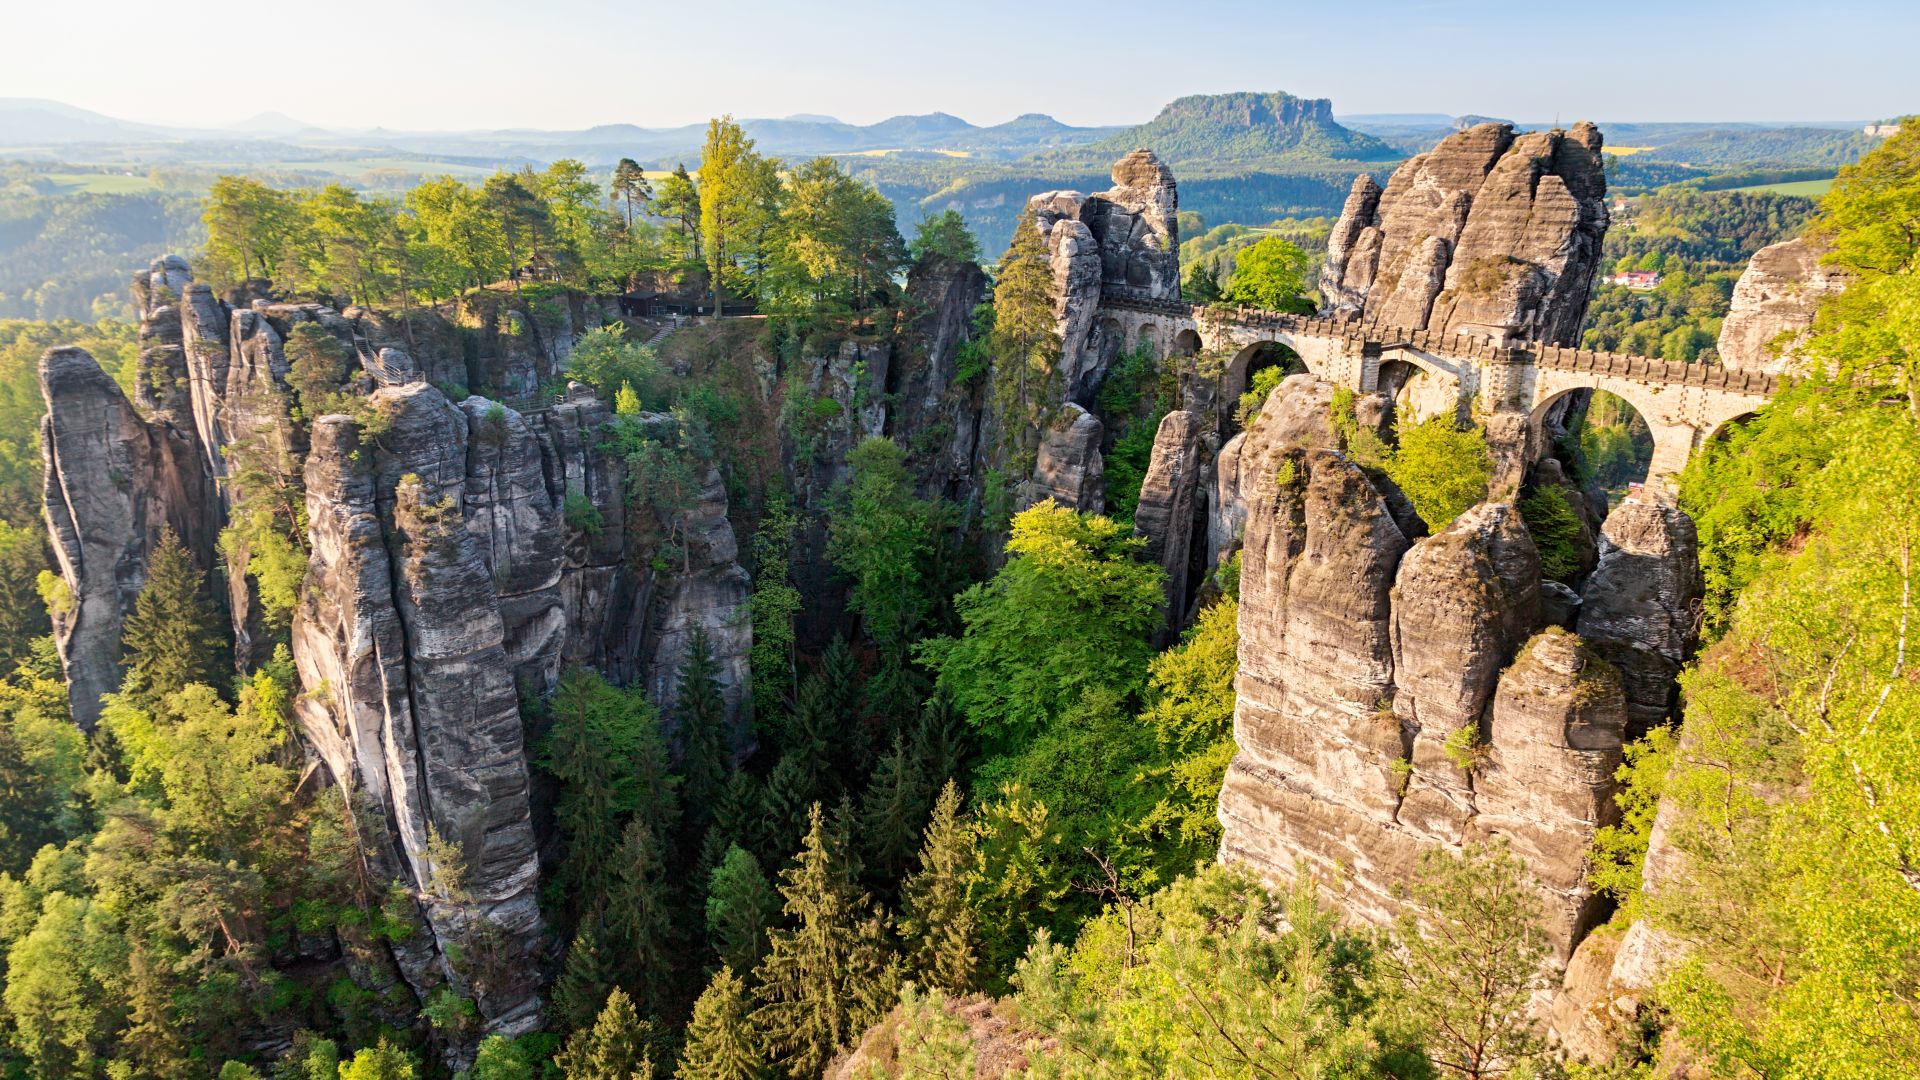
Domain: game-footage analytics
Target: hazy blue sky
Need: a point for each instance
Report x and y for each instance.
(573, 63)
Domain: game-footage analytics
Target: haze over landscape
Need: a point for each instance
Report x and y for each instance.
(595, 541)
(588, 62)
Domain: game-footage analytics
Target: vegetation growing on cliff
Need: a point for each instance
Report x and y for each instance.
(1794, 810)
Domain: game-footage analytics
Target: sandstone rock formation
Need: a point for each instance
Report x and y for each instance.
(1463, 602)
(1641, 606)
(468, 553)
(400, 644)
(1774, 304)
(936, 417)
(1362, 651)
(1488, 232)
(1068, 468)
(114, 482)
(1171, 514)
(1123, 243)
(1546, 782)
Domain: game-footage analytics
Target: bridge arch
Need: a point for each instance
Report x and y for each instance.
(1638, 448)
(1724, 427)
(1250, 360)
(1420, 389)
(1148, 336)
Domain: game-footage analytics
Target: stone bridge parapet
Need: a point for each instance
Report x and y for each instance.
(1683, 404)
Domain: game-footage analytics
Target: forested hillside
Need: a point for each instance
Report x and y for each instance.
(534, 687)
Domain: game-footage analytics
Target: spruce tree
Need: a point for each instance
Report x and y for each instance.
(937, 923)
(721, 1042)
(614, 1048)
(811, 732)
(172, 638)
(736, 821)
(940, 741)
(825, 980)
(658, 802)
(740, 903)
(585, 978)
(588, 808)
(846, 734)
(706, 754)
(784, 812)
(638, 917)
(893, 809)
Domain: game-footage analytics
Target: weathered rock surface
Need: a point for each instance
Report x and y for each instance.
(1068, 468)
(1546, 781)
(1314, 780)
(1487, 232)
(1774, 304)
(114, 482)
(1123, 243)
(410, 696)
(1172, 514)
(1641, 606)
(468, 553)
(935, 418)
(1360, 653)
(1463, 602)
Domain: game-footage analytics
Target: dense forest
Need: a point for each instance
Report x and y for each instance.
(978, 811)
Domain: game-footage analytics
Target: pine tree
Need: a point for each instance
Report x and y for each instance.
(585, 978)
(828, 978)
(638, 917)
(614, 1048)
(940, 742)
(937, 923)
(721, 1042)
(706, 756)
(588, 808)
(893, 809)
(843, 830)
(740, 903)
(790, 791)
(172, 638)
(736, 821)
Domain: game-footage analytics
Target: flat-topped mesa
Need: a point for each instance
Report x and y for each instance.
(1489, 232)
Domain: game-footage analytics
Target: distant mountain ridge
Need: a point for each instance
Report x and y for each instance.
(1244, 130)
(32, 122)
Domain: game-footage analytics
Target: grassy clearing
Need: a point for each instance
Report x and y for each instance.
(1806, 189)
(98, 184)
(1629, 151)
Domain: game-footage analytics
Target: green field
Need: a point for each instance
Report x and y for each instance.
(1806, 189)
(99, 183)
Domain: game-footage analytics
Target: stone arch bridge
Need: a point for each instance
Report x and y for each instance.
(1683, 405)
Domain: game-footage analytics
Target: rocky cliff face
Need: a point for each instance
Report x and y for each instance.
(1487, 232)
(1641, 605)
(401, 647)
(936, 418)
(1123, 243)
(1172, 512)
(1397, 694)
(114, 481)
(466, 554)
(1774, 304)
